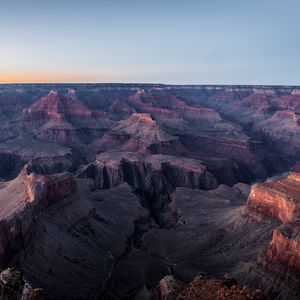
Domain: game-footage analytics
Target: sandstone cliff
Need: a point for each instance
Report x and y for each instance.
(279, 198)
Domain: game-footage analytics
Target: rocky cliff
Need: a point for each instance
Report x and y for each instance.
(284, 249)
(28, 195)
(149, 173)
(279, 198)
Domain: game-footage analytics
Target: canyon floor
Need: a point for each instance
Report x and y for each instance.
(106, 190)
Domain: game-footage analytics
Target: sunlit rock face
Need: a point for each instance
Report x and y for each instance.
(125, 191)
(284, 248)
(279, 198)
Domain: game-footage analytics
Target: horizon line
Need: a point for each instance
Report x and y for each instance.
(149, 83)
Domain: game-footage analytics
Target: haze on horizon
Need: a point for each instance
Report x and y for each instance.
(182, 42)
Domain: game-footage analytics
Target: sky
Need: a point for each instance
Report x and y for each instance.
(154, 41)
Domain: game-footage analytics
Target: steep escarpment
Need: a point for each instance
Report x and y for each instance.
(153, 177)
(28, 195)
(80, 240)
(284, 250)
(41, 157)
(279, 198)
(61, 220)
(147, 172)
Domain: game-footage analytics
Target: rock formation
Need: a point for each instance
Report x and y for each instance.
(147, 172)
(14, 287)
(279, 198)
(105, 189)
(219, 289)
(205, 288)
(28, 195)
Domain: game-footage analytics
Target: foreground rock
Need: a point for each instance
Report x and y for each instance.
(219, 289)
(13, 287)
(202, 287)
(167, 289)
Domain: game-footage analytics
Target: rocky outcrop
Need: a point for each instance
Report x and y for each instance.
(219, 289)
(152, 174)
(167, 289)
(283, 253)
(142, 126)
(28, 195)
(14, 287)
(139, 133)
(277, 198)
(227, 288)
(58, 186)
(41, 157)
(57, 107)
(11, 285)
(48, 165)
(81, 240)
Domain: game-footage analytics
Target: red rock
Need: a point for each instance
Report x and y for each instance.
(56, 107)
(63, 119)
(284, 249)
(218, 289)
(278, 198)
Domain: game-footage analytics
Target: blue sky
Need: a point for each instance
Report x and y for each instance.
(196, 42)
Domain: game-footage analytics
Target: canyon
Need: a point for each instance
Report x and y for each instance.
(118, 191)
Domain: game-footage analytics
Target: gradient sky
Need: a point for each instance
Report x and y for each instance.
(159, 41)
